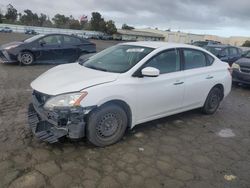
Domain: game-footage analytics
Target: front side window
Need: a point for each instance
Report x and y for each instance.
(119, 58)
(166, 62)
(194, 59)
(233, 51)
(224, 53)
(52, 40)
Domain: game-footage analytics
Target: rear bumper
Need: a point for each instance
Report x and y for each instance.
(5, 57)
(50, 126)
(241, 77)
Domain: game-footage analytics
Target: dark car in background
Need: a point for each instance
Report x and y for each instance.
(205, 43)
(241, 69)
(51, 48)
(226, 53)
(107, 37)
(5, 30)
(30, 32)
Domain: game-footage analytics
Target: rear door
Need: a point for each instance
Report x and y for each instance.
(199, 77)
(71, 48)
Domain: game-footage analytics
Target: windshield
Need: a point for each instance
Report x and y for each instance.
(31, 39)
(119, 58)
(214, 50)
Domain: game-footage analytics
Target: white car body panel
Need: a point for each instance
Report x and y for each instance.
(149, 98)
(70, 78)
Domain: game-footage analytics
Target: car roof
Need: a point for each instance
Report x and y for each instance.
(152, 44)
(219, 46)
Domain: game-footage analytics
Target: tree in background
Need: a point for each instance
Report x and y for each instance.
(47, 23)
(97, 22)
(11, 14)
(42, 19)
(246, 43)
(110, 27)
(127, 27)
(60, 21)
(73, 23)
(29, 18)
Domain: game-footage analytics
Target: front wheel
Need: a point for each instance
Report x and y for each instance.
(106, 125)
(213, 101)
(26, 58)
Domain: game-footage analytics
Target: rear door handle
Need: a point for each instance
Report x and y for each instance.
(209, 77)
(178, 83)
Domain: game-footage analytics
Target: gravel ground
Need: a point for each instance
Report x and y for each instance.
(188, 150)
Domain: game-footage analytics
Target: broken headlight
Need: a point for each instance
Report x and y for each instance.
(65, 100)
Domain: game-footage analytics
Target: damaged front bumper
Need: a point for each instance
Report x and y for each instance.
(50, 125)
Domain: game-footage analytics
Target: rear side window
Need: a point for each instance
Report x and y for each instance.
(194, 59)
(224, 52)
(71, 40)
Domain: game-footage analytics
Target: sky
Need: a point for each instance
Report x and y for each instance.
(218, 17)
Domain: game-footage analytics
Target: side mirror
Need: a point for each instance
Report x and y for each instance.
(150, 72)
(42, 43)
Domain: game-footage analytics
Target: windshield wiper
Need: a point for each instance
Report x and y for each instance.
(81, 61)
(97, 68)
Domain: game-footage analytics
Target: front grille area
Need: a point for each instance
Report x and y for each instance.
(41, 97)
(245, 69)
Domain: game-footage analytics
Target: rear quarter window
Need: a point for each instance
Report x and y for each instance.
(210, 60)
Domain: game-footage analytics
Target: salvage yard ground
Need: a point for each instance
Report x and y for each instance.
(188, 150)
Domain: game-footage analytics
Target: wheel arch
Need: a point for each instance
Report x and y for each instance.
(26, 50)
(124, 106)
(221, 87)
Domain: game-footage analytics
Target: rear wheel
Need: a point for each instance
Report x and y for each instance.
(106, 125)
(213, 101)
(26, 58)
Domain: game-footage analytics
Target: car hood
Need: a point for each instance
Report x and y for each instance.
(10, 44)
(70, 78)
(243, 61)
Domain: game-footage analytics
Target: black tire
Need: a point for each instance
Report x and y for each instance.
(26, 58)
(106, 125)
(236, 84)
(213, 101)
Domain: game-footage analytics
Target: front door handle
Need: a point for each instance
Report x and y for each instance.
(209, 77)
(178, 83)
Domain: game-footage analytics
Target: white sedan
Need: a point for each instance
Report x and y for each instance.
(123, 86)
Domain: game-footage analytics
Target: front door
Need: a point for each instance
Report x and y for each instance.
(50, 49)
(159, 96)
